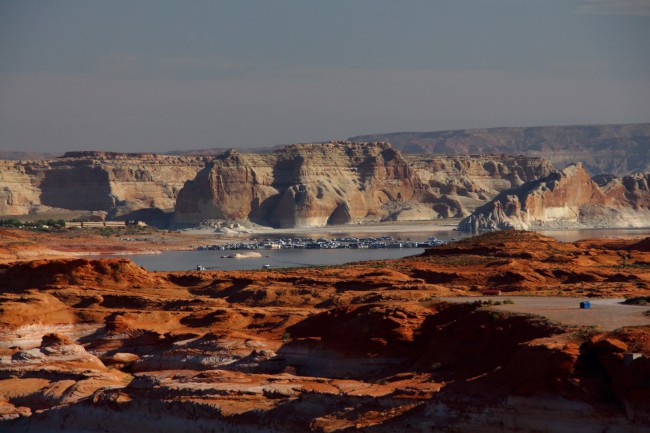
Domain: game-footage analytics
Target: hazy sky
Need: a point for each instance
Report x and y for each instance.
(155, 75)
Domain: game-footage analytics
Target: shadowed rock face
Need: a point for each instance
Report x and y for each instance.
(116, 183)
(617, 149)
(308, 185)
(565, 198)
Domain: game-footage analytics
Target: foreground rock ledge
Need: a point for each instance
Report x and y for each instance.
(96, 345)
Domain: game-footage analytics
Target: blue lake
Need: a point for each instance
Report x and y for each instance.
(286, 258)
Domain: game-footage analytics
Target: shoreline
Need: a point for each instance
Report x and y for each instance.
(387, 227)
(22, 245)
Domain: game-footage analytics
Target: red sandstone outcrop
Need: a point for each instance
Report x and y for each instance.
(564, 198)
(96, 344)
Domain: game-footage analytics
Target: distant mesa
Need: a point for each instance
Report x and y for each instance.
(125, 186)
(618, 149)
(95, 154)
(26, 156)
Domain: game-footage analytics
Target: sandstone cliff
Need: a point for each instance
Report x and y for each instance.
(617, 149)
(116, 183)
(475, 179)
(295, 185)
(310, 185)
(567, 198)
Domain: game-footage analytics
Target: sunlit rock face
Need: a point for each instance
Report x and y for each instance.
(567, 198)
(306, 185)
(298, 185)
(475, 179)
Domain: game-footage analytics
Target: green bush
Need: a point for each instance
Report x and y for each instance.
(12, 222)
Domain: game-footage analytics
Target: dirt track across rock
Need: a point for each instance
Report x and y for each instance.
(607, 314)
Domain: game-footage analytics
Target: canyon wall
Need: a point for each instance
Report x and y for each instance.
(567, 198)
(475, 179)
(297, 185)
(310, 185)
(94, 181)
(345, 182)
(618, 149)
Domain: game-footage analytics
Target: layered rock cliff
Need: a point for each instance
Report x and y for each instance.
(310, 185)
(567, 198)
(296, 185)
(474, 179)
(617, 149)
(116, 183)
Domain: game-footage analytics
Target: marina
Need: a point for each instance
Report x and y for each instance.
(298, 250)
(379, 242)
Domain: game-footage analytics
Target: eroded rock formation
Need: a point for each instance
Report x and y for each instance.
(567, 198)
(94, 344)
(310, 185)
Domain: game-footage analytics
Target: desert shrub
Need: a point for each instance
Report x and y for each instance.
(638, 300)
(12, 222)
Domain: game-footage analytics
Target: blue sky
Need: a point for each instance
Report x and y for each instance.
(155, 75)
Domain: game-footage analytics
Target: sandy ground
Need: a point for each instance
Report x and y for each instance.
(392, 227)
(606, 314)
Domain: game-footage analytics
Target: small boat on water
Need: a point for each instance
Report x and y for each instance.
(267, 266)
(244, 255)
(200, 268)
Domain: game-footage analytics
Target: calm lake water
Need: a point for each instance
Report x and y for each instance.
(287, 258)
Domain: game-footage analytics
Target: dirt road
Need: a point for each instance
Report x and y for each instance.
(606, 314)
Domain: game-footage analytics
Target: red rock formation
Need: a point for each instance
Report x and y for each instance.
(86, 344)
